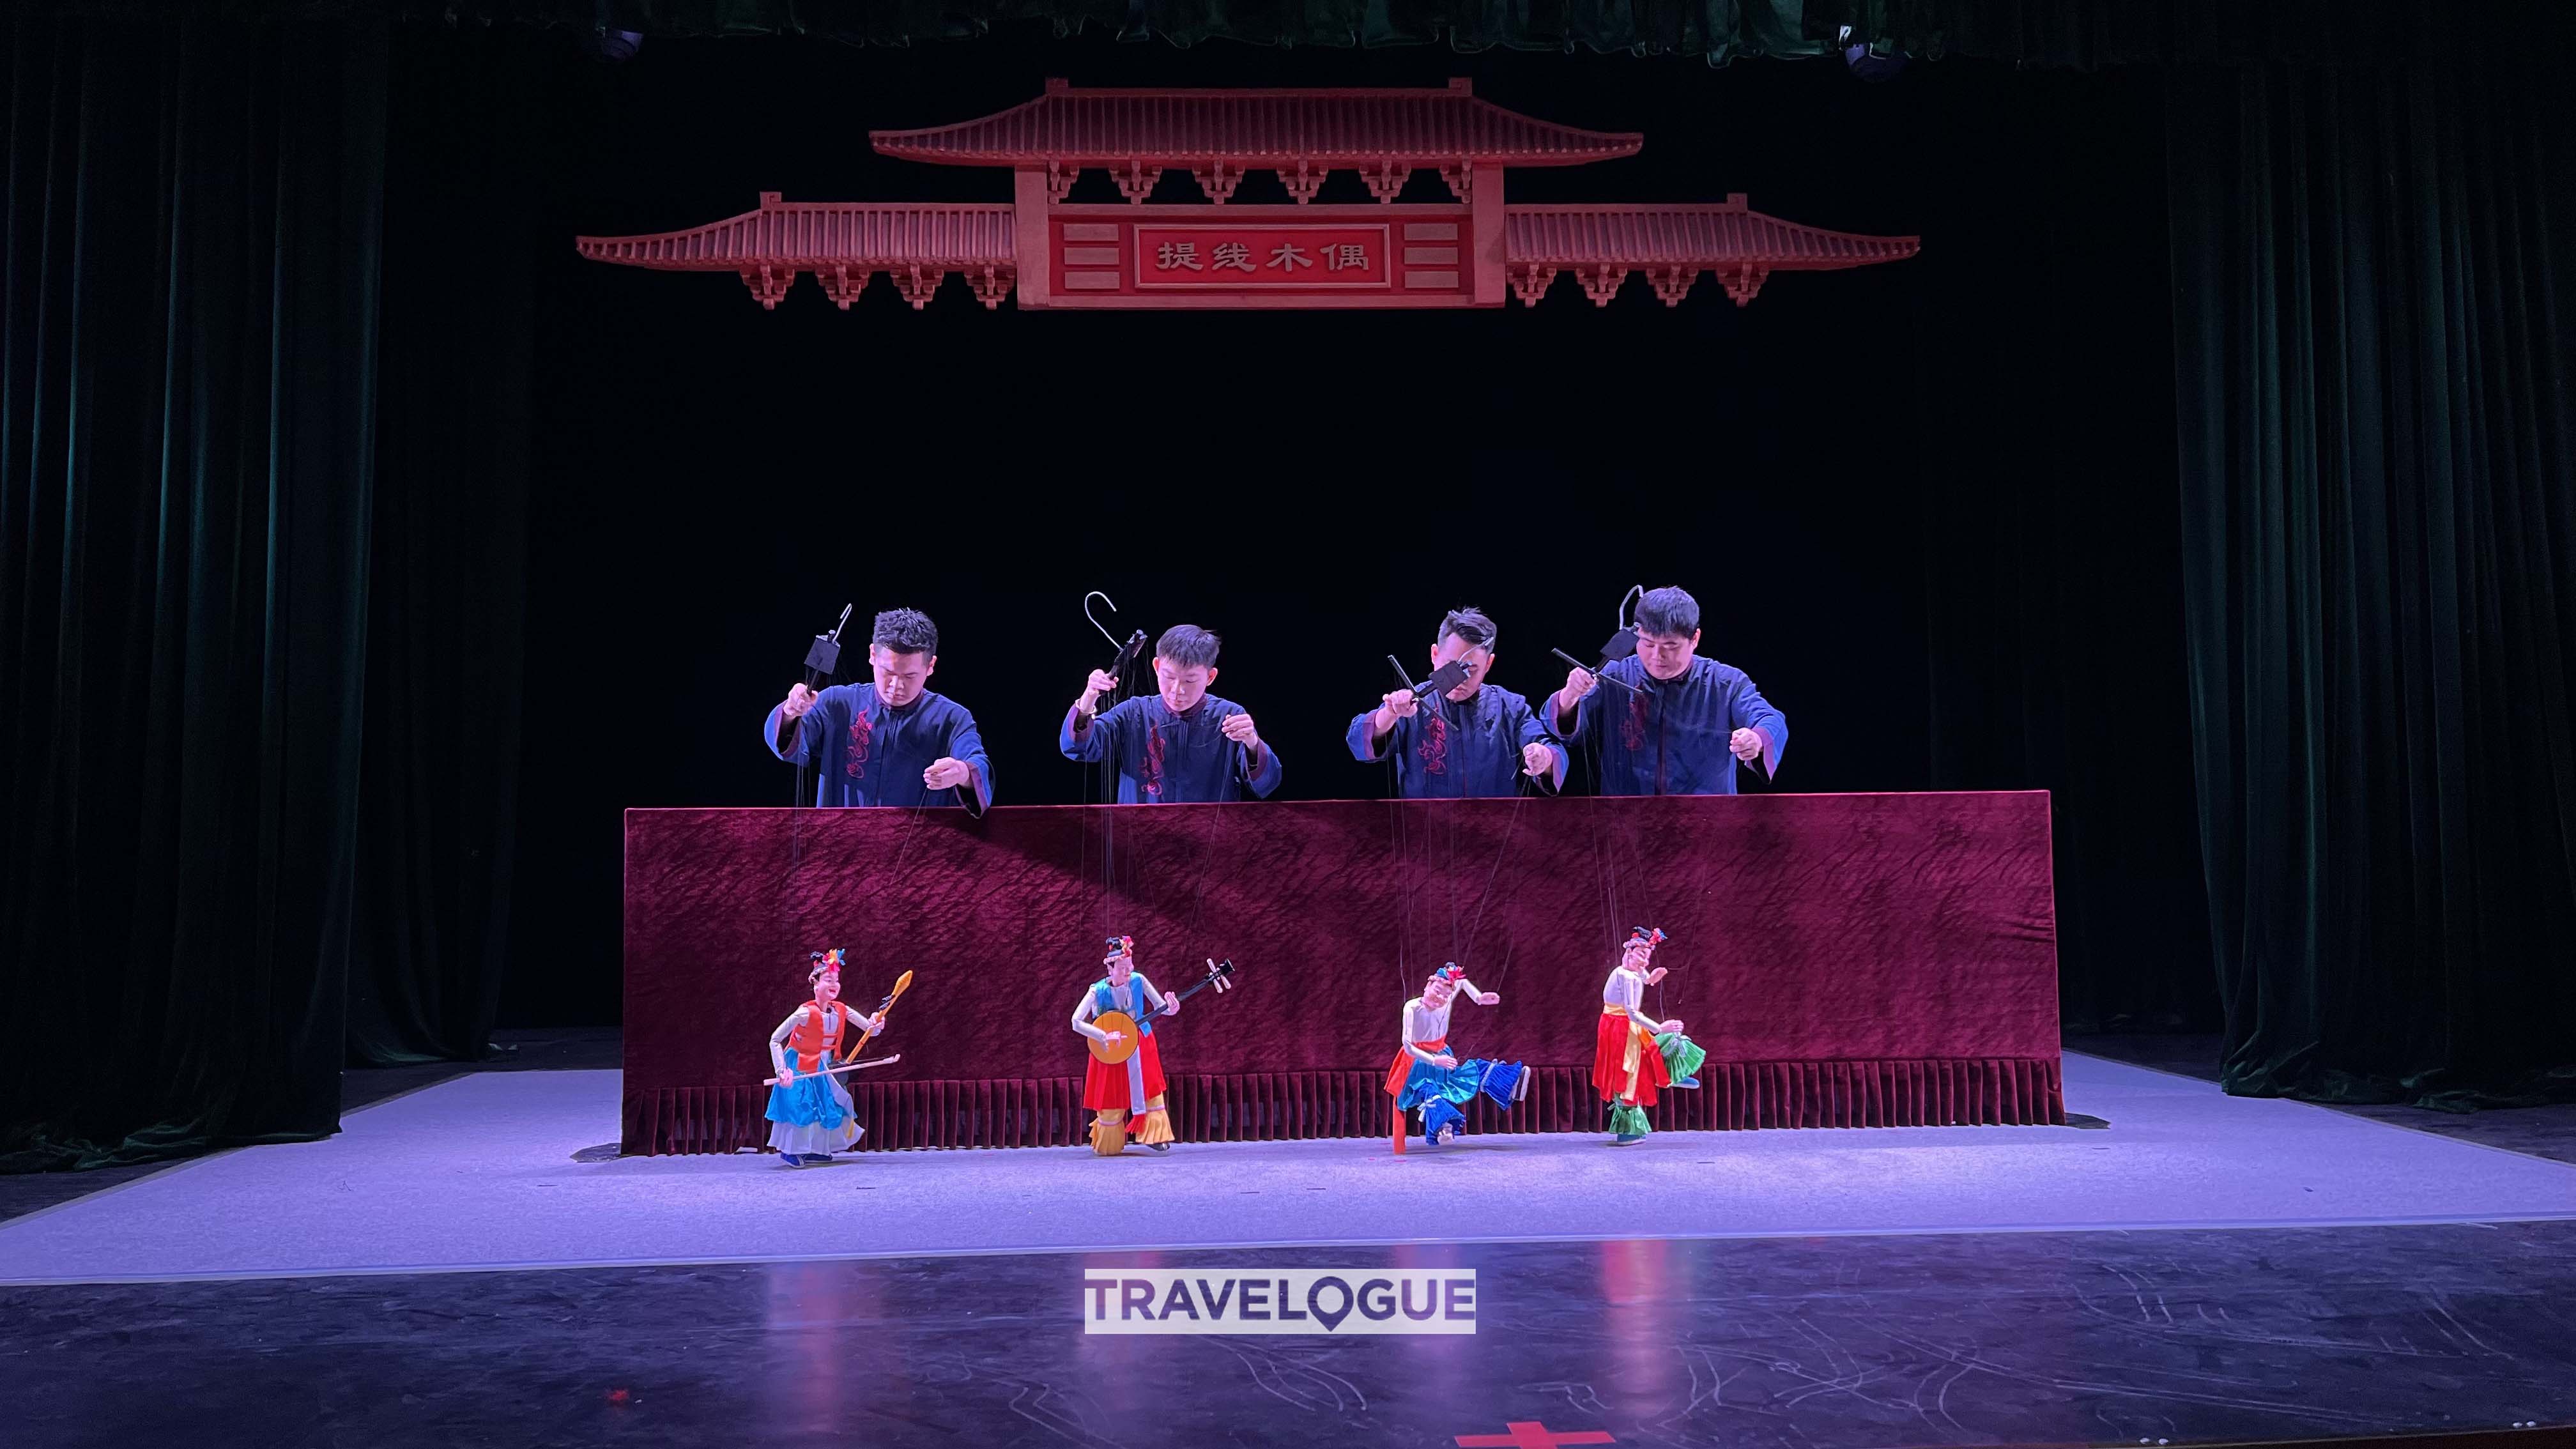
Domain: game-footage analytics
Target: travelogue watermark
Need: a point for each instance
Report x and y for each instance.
(1279, 1300)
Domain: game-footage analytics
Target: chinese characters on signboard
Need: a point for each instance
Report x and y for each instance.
(1242, 258)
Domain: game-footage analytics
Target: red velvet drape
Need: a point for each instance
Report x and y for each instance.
(1848, 960)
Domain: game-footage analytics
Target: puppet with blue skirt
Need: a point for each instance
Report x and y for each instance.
(1425, 1075)
(810, 1112)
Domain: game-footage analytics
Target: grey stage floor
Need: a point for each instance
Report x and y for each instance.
(1871, 1341)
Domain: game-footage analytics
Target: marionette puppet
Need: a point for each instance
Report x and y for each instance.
(810, 1113)
(1425, 1075)
(1633, 1054)
(1123, 1083)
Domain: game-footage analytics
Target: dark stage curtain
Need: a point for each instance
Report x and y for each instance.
(439, 805)
(2052, 562)
(187, 386)
(2375, 283)
(2092, 33)
(1716, 29)
(260, 619)
(2085, 33)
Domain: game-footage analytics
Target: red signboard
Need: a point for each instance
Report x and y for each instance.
(1261, 256)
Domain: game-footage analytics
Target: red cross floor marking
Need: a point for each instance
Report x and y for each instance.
(1527, 1435)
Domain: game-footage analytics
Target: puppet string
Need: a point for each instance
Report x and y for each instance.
(1502, 851)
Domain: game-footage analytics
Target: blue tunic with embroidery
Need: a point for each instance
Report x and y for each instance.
(1459, 749)
(865, 753)
(1669, 737)
(1168, 758)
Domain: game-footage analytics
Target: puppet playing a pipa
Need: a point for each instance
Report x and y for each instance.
(810, 1113)
(1633, 1054)
(1425, 1074)
(1123, 1084)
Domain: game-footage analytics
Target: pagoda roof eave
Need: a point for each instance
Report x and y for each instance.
(813, 234)
(845, 243)
(1720, 234)
(1335, 128)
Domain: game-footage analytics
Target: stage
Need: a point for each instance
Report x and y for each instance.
(479, 1174)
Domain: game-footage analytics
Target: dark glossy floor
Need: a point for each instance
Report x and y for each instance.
(1860, 1342)
(1870, 1343)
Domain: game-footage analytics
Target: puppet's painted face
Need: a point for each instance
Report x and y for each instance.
(1182, 686)
(827, 987)
(1667, 656)
(900, 677)
(1638, 955)
(1478, 659)
(1121, 966)
(1437, 991)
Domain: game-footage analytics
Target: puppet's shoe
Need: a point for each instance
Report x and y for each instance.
(1109, 1133)
(1440, 1122)
(1687, 1084)
(1627, 1139)
(1160, 1146)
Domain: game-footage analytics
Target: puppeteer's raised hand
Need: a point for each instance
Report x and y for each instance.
(1238, 728)
(1578, 683)
(1401, 704)
(1537, 759)
(1101, 682)
(1747, 744)
(799, 700)
(945, 771)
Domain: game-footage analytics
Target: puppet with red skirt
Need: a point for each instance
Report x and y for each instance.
(1633, 1055)
(1126, 1097)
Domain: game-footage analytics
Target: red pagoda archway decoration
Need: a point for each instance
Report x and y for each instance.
(1470, 251)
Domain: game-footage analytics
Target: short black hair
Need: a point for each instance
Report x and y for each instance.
(1470, 625)
(1667, 611)
(1186, 645)
(905, 631)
